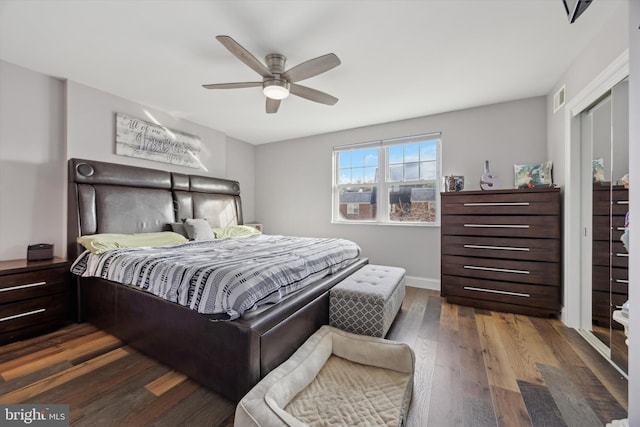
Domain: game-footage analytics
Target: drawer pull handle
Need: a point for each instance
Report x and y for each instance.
(499, 248)
(626, 282)
(622, 202)
(620, 228)
(499, 270)
(27, 313)
(497, 204)
(623, 255)
(496, 225)
(494, 291)
(29, 285)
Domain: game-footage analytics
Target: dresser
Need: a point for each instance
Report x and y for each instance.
(35, 296)
(501, 250)
(610, 259)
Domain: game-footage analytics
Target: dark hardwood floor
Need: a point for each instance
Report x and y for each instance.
(473, 368)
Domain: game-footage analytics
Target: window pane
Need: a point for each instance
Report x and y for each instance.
(412, 203)
(395, 172)
(357, 158)
(345, 176)
(344, 159)
(411, 153)
(395, 154)
(428, 171)
(371, 157)
(357, 175)
(358, 204)
(428, 150)
(370, 175)
(411, 171)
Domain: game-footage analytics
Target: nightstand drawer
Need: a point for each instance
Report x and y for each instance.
(33, 312)
(16, 287)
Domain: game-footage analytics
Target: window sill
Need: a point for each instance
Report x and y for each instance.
(392, 224)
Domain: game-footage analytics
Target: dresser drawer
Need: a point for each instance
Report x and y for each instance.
(619, 282)
(16, 287)
(603, 225)
(509, 203)
(601, 309)
(541, 273)
(617, 200)
(619, 256)
(502, 247)
(547, 297)
(501, 226)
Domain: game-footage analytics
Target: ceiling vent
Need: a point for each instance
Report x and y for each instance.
(558, 99)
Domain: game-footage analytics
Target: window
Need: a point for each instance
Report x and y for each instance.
(408, 183)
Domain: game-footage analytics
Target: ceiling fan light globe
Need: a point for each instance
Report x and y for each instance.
(275, 89)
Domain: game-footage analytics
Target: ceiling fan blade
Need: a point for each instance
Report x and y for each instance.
(232, 85)
(312, 67)
(244, 55)
(312, 94)
(272, 105)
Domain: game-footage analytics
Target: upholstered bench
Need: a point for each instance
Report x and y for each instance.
(335, 378)
(367, 301)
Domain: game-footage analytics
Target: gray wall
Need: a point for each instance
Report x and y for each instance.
(241, 166)
(634, 194)
(293, 178)
(32, 161)
(607, 46)
(91, 131)
(46, 121)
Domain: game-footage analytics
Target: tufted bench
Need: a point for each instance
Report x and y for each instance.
(367, 301)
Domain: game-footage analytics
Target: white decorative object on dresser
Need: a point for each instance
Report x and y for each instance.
(501, 250)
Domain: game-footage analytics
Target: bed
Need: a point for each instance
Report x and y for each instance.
(227, 356)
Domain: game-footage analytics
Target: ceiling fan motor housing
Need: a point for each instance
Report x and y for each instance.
(275, 62)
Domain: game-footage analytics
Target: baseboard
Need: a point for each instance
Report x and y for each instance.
(423, 283)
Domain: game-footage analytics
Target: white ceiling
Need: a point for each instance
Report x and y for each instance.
(400, 59)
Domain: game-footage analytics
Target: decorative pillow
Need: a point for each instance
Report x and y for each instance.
(529, 176)
(99, 243)
(598, 170)
(178, 227)
(198, 229)
(234, 231)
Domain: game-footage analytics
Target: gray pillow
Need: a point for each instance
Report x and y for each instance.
(178, 227)
(198, 229)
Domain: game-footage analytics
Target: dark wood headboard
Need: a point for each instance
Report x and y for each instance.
(112, 198)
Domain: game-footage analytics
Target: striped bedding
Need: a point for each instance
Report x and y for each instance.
(227, 276)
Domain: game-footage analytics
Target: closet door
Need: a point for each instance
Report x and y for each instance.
(605, 147)
(619, 208)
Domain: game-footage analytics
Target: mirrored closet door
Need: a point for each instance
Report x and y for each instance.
(605, 163)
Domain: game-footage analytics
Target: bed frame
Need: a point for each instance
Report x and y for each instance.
(228, 357)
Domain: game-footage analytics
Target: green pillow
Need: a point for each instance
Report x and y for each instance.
(99, 243)
(234, 231)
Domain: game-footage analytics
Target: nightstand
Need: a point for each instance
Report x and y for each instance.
(35, 296)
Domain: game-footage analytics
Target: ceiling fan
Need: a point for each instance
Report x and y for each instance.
(277, 83)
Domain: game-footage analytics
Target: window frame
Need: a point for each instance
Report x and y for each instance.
(383, 183)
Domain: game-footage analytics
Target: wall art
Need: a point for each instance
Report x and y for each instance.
(150, 141)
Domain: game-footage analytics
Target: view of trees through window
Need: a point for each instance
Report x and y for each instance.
(409, 182)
